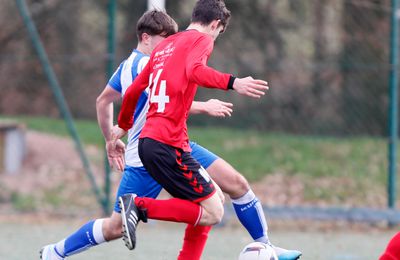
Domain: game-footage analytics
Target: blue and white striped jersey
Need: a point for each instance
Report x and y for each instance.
(120, 81)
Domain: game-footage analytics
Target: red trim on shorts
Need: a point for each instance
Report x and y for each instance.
(204, 198)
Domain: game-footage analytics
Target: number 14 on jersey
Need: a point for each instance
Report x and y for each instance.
(161, 99)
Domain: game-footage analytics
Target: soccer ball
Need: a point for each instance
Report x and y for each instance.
(258, 251)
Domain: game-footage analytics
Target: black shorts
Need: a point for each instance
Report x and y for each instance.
(175, 170)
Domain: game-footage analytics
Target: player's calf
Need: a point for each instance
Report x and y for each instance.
(112, 227)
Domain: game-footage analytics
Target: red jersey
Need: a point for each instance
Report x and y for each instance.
(175, 69)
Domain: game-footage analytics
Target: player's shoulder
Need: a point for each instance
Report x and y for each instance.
(138, 56)
(190, 38)
(141, 63)
(187, 35)
(139, 60)
(195, 35)
(142, 58)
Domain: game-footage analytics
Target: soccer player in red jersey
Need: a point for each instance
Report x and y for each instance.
(175, 69)
(392, 251)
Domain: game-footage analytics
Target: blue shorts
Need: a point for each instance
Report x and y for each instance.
(137, 180)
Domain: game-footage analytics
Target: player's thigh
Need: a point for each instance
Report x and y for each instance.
(228, 179)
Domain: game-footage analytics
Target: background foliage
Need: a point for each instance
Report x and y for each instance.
(326, 60)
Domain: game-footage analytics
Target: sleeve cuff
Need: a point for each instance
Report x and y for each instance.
(230, 82)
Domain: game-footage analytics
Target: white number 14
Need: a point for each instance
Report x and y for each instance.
(161, 99)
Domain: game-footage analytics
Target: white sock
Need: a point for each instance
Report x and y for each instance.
(60, 247)
(98, 231)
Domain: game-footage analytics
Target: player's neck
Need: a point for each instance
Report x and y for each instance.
(143, 48)
(197, 27)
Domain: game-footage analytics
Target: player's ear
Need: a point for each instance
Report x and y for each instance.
(214, 24)
(145, 38)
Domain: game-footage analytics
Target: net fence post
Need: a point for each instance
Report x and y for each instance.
(393, 106)
(58, 94)
(112, 7)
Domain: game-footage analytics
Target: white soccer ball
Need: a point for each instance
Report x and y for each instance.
(258, 251)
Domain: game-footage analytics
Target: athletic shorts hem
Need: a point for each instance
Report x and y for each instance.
(205, 197)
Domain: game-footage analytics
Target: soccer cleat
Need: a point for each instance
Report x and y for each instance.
(49, 253)
(131, 215)
(284, 254)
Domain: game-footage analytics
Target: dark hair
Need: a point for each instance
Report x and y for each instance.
(156, 22)
(206, 11)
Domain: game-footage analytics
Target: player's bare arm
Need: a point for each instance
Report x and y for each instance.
(104, 108)
(212, 107)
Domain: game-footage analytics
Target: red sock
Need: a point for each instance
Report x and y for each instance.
(176, 210)
(194, 242)
(393, 249)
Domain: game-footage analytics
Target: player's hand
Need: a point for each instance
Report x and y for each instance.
(116, 154)
(250, 87)
(218, 108)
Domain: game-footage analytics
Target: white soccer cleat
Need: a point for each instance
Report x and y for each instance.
(49, 253)
(284, 254)
(258, 251)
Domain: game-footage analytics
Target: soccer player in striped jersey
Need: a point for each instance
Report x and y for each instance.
(135, 178)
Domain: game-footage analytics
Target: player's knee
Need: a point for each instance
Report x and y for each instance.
(239, 187)
(242, 184)
(215, 215)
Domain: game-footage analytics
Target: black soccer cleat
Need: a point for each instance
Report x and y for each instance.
(131, 215)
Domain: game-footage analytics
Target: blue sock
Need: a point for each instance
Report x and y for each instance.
(250, 213)
(88, 235)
